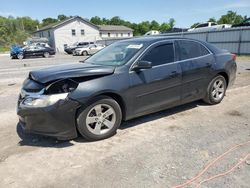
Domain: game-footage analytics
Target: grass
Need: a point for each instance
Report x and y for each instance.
(4, 49)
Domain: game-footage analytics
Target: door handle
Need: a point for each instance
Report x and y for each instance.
(173, 74)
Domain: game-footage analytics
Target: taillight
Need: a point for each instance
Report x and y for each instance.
(234, 57)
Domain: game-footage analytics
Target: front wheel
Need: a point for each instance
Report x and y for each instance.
(20, 56)
(100, 119)
(46, 54)
(85, 53)
(216, 90)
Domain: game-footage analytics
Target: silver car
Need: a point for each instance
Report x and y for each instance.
(88, 49)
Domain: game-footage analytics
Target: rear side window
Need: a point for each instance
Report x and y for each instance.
(160, 55)
(191, 49)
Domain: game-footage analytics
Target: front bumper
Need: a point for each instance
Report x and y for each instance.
(57, 120)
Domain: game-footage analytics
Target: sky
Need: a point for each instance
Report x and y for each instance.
(185, 12)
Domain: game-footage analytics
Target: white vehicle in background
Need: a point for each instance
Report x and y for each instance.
(152, 32)
(209, 26)
(88, 49)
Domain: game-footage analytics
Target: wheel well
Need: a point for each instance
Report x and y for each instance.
(119, 100)
(225, 76)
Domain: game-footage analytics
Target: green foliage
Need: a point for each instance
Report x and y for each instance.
(15, 30)
(231, 18)
(96, 20)
(171, 22)
(48, 21)
(4, 49)
(61, 17)
(139, 29)
(212, 20)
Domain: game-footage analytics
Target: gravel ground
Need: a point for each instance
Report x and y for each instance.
(158, 150)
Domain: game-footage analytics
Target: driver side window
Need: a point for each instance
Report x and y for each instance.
(160, 55)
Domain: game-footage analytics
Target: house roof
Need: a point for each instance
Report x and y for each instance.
(57, 24)
(99, 27)
(114, 28)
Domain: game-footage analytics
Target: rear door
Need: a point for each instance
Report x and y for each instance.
(39, 51)
(160, 85)
(196, 63)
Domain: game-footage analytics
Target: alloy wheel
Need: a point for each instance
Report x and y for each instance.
(101, 119)
(218, 89)
(46, 54)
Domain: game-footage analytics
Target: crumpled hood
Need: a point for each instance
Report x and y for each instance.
(70, 71)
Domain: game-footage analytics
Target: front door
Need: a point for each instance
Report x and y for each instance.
(158, 86)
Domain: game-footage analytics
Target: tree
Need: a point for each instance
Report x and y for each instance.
(154, 25)
(48, 21)
(230, 18)
(212, 20)
(96, 20)
(171, 22)
(116, 20)
(61, 17)
(164, 27)
(144, 27)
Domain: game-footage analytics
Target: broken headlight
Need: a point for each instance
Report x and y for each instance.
(61, 86)
(54, 92)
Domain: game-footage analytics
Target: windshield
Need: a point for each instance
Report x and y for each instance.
(115, 54)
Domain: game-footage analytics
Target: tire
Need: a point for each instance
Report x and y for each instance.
(92, 123)
(216, 90)
(85, 53)
(20, 56)
(46, 54)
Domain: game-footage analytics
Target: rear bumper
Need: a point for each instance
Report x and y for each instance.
(232, 76)
(57, 120)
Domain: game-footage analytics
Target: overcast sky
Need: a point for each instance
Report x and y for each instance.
(185, 12)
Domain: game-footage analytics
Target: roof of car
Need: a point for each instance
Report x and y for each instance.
(155, 38)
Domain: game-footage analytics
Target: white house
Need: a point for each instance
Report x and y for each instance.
(77, 29)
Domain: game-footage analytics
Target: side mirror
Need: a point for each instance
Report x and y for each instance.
(142, 65)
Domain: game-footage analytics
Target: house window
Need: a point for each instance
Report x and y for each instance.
(48, 33)
(128, 34)
(82, 32)
(108, 34)
(121, 34)
(100, 34)
(73, 31)
(117, 34)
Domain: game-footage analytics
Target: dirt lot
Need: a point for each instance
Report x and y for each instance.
(159, 150)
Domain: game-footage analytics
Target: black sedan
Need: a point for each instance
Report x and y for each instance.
(125, 80)
(31, 51)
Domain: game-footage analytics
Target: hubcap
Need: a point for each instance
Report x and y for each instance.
(46, 54)
(218, 89)
(101, 119)
(20, 56)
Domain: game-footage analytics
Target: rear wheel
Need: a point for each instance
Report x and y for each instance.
(46, 54)
(100, 119)
(216, 90)
(85, 53)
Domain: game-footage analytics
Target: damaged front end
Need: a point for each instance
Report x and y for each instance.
(46, 109)
(44, 106)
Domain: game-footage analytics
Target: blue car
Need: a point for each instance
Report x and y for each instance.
(18, 52)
